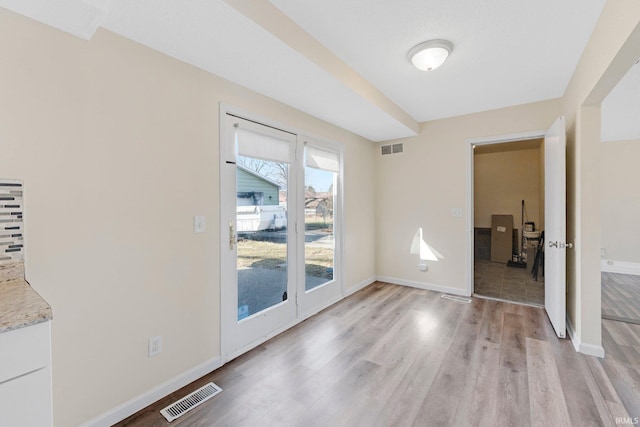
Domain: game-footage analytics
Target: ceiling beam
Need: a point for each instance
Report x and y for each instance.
(273, 20)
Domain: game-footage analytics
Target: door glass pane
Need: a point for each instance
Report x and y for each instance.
(261, 218)
(319, 243)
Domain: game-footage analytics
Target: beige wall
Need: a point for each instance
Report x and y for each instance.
(502, 180)
(614, 46)
(620, 200)
(118, 148)
(419, 188)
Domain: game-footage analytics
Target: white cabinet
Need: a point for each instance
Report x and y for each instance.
(25, 376)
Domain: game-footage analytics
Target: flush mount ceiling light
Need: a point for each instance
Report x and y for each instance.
(431, 54)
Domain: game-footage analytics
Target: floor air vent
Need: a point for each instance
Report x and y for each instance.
(190, 401)
(456, 298)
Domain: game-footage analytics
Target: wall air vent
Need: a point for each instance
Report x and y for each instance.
(391, 149)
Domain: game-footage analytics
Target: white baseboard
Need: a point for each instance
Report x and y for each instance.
(592, 350)
(132, 406)
(573, 335)
(579, 346)
(424, 285)
(622, 267)
(352, 290)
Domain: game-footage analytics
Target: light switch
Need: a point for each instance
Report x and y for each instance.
(199, 224)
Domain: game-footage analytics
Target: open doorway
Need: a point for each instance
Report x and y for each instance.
(555, 203)
(620, 200)
(508, 195)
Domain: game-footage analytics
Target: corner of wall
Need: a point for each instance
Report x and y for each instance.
(581, 347)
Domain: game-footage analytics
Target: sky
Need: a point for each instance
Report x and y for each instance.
(320, 180)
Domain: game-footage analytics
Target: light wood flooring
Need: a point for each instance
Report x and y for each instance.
(397, 356)
(621, 366)
(496, 280)
(621, 297)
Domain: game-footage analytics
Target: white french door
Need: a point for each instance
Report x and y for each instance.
(555, 226)
(258, 245)
(279, 227)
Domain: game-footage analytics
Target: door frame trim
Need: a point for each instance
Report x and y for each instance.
(470, 202)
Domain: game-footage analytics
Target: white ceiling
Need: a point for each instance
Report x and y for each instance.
(505, 52)
(352, 70)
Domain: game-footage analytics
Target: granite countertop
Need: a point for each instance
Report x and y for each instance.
(20, 305)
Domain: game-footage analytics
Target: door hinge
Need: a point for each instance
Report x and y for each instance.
(232, 236)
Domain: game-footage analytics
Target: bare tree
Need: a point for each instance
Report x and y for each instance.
(282, 174)
(277, 172)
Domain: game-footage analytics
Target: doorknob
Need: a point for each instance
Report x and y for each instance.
(553, 244)
(232, 236)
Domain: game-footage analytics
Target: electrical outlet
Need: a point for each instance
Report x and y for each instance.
(155, 346)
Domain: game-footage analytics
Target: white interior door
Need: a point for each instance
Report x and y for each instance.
(259, 243)
(555, 225)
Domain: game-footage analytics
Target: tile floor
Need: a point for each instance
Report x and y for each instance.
(496, 280)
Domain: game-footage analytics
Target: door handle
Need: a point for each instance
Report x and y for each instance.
(232, 236)
(560, 245)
